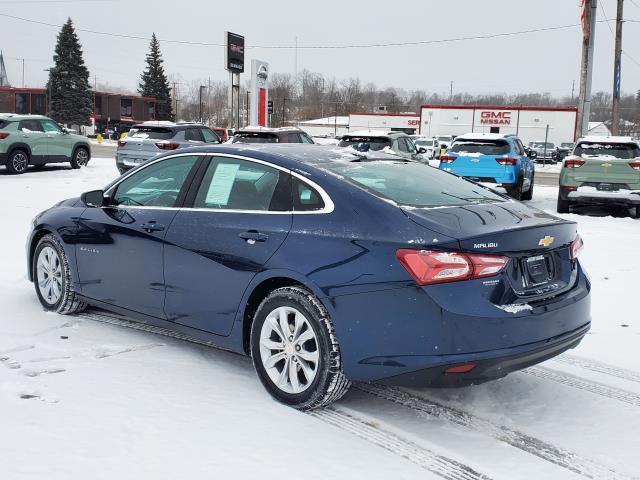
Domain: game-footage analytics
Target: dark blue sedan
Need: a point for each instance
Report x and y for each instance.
(325, 265)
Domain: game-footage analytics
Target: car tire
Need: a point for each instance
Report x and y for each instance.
(80, 158)
(563, 206)
(18, 162)
(515, 192)
(309, 346)
(528, 195)
(637, 212)
(52, 277)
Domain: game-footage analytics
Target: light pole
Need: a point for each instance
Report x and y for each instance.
(22, 60)
(48, 90)
(201, 88)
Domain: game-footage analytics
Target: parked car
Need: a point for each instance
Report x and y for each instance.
(398, 143)
(37, 140)
(492, 158)
(149, 139)
(601, 170)
(431, 146)
(563, 150)
(545, 151)
(356, 273)
(445, 141)
(271, 135)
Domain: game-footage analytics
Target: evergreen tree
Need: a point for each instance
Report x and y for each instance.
(71, 97)
(154, 82)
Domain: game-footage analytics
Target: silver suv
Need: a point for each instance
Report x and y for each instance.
(149, 139)
(398, 143)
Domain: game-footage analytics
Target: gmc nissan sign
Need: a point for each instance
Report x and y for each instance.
(495, 118)
(234, 58)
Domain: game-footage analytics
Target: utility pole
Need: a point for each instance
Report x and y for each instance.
(202, 87)
(22, 60)
(451, 92)
(586, 69)
(617, 73)
(573, 87)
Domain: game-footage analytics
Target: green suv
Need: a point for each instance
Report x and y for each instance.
(601, 170)
(36, 140)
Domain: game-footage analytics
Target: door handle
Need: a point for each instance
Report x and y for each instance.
(253, 236)
(152, 226)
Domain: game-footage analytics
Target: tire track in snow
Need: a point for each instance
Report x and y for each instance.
(431, 461)
(596, 388)
(599, 367)
(527, 443)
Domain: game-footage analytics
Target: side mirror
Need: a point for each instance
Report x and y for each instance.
(422, 150)
(94, 198)
(532, 154)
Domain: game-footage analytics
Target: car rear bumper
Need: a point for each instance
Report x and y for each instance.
(128, 160)
(593, 195)
(491, 367)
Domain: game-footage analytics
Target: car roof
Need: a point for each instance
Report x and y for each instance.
(374, 133)
(15, 117)
(258, 129)
(610, 139)
(167, 124)
(485, 136)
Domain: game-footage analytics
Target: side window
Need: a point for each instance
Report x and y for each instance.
(235, 184)
(519, 148)
(193, 135)
(27, 126)
(402, 145)
(305, 197)
(209, 136)
(306, 138)
(293, 138)
(411, 146)
(157, 185)
(50, 126)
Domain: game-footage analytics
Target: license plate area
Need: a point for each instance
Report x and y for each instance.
(538, 270)
(607, 187)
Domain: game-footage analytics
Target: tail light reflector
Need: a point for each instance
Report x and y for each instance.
(447, 158)
(429, 267)
(571, 188)
(576, 247)
(121, 143)
(4, 135)
(467, 367)
(167, 146)
(507, 161)
(634, 165)
(574, 163)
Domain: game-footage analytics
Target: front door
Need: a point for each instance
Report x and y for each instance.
(240, 217)
(33, 135)
(59, 144)
(120, 246)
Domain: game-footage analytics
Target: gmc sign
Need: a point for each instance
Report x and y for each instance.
(495, 118)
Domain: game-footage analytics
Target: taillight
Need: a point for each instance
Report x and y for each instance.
(4, 135)
(428, 267)
(167, 146)
(634, 165)
(447, 158)
(507, 161)
(574, 163)
(576, 247)
(121, 143)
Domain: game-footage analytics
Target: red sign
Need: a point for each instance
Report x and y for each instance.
(414, 122)
(495, 118)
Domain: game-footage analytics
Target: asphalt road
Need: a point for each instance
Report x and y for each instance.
(546, 178)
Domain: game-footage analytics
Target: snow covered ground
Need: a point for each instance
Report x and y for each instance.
(81, 398)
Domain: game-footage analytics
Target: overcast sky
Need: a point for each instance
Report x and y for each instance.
(542, 62)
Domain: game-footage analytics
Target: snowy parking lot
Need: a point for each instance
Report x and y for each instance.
(84, 397)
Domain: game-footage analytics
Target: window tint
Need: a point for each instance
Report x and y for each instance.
(402, 145)
(411, 146)
(484, 147)
(293, 138)
(616, 150)
(152, 133)
(30, 126)
(375, 143)
(234, 184)
(157, 185)
(305, 197)
(209, 136)
(519, 147)
(51, 126)
(306, 138)
(193, 135)
(250, 137)
(413, 184)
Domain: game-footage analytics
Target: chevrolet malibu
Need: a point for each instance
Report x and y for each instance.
(326, 266)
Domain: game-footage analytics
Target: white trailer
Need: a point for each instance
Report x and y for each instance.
(529, 123)
(397, 122)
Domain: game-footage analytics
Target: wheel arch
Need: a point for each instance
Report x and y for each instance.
(80, 145)
(36, 236)
(19, 146)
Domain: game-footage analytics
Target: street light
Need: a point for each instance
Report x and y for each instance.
(201, 88)
(48, 90)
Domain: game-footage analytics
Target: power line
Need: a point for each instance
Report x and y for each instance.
(312, 47)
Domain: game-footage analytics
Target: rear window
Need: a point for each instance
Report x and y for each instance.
(493, 147)
(375, 143)
(412, 184)
(623, 151)
(152, 133)
(542, 145)
(257, 137)
(444, 139)
(423, 143)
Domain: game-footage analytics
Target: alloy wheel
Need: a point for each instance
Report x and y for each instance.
(289, 350)
(82, 157)
(19, 162)
(49, 275)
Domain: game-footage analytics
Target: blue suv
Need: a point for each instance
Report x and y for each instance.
(494, 159)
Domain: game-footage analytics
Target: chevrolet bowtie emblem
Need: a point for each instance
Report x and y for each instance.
(546, 241)
(606, 165)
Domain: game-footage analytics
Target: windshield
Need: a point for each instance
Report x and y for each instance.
(423, 143)
(413, 184)
(375, 143)
(257, 137)
(482, 147)
(152, 133)
(542, 145)
(623, 151)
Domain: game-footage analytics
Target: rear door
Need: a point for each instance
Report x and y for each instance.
(32, 133)
(240, 216)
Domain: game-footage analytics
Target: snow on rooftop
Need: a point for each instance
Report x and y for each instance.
(607, 139)
(481, 136)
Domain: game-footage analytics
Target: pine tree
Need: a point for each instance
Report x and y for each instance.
(154, 82)
(71, 97)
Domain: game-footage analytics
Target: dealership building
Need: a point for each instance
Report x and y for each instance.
(396, 122)
(557, 124)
